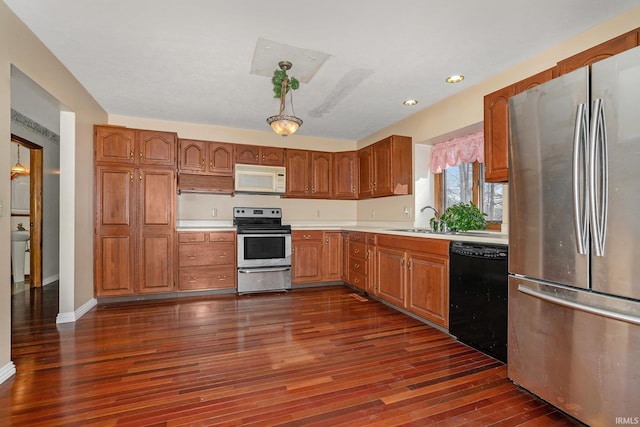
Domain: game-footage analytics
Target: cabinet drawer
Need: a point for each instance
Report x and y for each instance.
(358, 280)
(307, 235)
(357, 265)
(190, 237)
(207, 254)
(357, 250)
(204, 278)
(222, 236)
(354, 236)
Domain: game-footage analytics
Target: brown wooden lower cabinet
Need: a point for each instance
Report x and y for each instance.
(316, 256)
(207, 261)
(413, 273)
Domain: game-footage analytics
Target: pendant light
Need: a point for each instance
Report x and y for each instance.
(18, 168)
(284, 124)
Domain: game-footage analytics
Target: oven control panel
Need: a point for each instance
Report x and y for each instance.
(257, 213)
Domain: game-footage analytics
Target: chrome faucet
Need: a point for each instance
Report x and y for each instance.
(435, 211)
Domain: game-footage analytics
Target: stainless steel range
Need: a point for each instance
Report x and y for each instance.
(264, 250)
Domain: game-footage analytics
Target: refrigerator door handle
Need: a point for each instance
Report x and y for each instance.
(598, 177)
(578, 306)
(579, 169)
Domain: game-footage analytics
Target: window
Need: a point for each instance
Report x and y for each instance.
(465, 183)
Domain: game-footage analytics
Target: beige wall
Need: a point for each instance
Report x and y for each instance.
(19, 47)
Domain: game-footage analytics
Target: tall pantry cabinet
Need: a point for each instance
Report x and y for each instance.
(135, 187)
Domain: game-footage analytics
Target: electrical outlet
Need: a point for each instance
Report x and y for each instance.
(373, 213)
(317, 213)
(407, 211)
(214, 212)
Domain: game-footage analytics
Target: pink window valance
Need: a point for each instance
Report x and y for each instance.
(466, 149)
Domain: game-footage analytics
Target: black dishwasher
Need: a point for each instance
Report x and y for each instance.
(478, 282)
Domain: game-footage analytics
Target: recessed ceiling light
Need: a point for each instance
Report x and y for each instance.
(410, 102)
(456, 78)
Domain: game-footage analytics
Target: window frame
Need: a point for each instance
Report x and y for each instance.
(438, 199)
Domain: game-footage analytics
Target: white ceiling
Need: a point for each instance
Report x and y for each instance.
(192, 60)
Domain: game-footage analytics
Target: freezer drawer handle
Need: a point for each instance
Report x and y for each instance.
(577, 306)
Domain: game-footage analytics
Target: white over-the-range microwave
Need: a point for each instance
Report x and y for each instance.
(258, 179)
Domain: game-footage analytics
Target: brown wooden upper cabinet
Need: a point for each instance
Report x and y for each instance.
(115, 144)
(345, 175)
(385, 167)
(496, 126)
(205, 157)
(597, 53)
(309, 174)
(259, 155)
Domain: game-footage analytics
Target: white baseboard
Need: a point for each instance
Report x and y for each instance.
(7, 371)
(48, 280)
(72, 316)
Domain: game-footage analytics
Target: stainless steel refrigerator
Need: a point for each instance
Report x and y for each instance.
(574, 241)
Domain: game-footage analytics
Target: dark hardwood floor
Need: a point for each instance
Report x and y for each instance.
(312, 357)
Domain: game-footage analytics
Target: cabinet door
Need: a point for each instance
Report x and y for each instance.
(297, 173)
(496, 134)
(428, 287)
(306, 261)
(115, 241)
(157, 148)
(272, 156)
(382, 168)
(220, 158)
(332, 256)
(345, 175)
(156, 201)
(321, 174)
(193, 156)
(115, 145)
(365, 169)
(390, 271)
(247, 154)
(345, 258)
(597, 53)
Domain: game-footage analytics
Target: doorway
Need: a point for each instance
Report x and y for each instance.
(34, 215)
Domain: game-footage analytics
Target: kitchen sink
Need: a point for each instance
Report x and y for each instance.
(456, 233)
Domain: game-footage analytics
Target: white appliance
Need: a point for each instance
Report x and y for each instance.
(258, 179)
(574, 241)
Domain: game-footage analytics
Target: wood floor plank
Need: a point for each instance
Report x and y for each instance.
(314, 356)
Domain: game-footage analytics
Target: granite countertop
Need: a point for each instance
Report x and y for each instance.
(484, 236)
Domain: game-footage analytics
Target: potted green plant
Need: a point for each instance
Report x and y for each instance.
(463, 217)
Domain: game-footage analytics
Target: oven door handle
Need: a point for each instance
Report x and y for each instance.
(264, 270)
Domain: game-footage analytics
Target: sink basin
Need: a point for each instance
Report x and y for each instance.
(19, 236)
(413, 230)
(456, 233)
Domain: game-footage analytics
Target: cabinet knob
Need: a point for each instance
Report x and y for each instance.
(191, 239)
(356, 251)
(257, 157)
(222, 277)
(191, 279)
(326, 240)
(356, 265)
(357, 280)
(131, 154)
(131, 176)
(141, 155)
(192, 256)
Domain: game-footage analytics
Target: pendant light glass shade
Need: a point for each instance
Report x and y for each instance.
(284, 124)
(18, 168)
